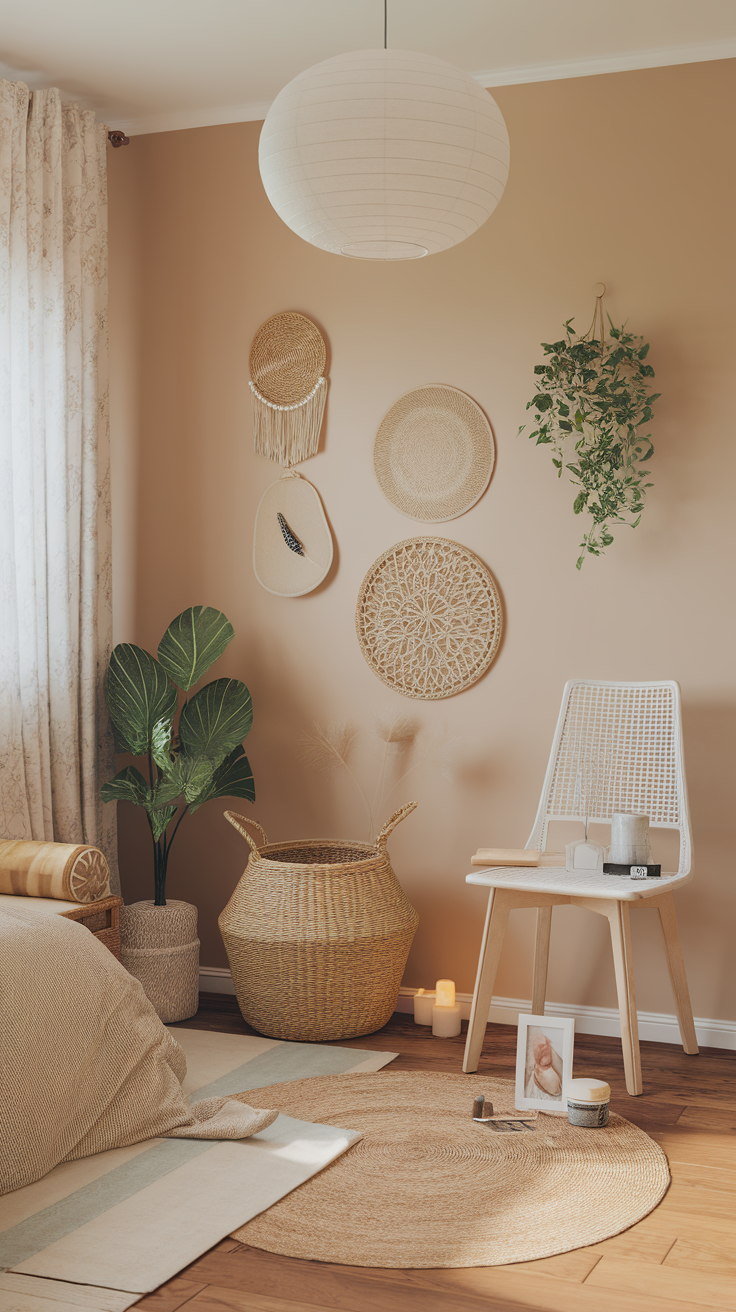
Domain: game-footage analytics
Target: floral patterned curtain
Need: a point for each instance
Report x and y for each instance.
(55, 571)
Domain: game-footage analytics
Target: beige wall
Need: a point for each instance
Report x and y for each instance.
(626, 178)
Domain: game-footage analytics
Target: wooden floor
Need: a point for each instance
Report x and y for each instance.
(680, 1258)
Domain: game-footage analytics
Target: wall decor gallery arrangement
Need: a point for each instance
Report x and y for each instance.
(428, 616)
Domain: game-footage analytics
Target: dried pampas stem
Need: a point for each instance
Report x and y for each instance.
(328, 749)
(288, 434)
(399, 732)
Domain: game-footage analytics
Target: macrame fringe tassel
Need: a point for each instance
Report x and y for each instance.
(288, 434)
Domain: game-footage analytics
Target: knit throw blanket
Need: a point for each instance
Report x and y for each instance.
(85, 1063)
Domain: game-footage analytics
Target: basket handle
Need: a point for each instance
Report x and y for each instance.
(237, 822)
(395, 820)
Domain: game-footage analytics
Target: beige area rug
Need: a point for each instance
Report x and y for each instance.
(100, 1232)
(427, 1187)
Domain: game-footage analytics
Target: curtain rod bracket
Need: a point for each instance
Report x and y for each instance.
(118, 138)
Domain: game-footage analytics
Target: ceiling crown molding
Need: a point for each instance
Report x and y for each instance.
(620, 63)
(663, 57)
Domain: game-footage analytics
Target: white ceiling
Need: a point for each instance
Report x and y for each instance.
(156, 65)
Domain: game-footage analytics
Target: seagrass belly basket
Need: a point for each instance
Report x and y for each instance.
(317, 934)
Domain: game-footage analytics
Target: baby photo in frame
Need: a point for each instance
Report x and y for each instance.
(544, 1062)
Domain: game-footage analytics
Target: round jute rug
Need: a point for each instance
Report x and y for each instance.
(427, 1187)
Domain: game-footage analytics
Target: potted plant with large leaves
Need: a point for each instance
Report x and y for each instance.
(191, 751)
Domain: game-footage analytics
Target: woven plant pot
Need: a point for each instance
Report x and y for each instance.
(317, 935)
(159, 946)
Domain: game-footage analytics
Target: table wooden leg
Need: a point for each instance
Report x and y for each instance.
(618, 919)
(683, 1006)
(541, 959)
(490, 953)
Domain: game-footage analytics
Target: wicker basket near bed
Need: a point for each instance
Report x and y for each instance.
(317, 934)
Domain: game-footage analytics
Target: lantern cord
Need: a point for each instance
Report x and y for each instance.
(385, 24)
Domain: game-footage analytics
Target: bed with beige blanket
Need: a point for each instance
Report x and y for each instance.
(85, 1063)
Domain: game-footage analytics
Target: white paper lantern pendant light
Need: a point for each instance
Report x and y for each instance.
(384, 155)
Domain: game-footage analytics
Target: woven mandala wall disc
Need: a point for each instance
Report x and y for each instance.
(434, 453)
(426, 1187)
(428, 618)
(287, 358)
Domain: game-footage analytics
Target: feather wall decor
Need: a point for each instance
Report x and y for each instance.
(291, 539)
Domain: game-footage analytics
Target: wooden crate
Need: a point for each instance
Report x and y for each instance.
(102, 919)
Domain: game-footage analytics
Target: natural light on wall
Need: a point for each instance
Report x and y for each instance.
(384, 155)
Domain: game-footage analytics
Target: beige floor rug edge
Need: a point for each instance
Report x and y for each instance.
(92, 1258)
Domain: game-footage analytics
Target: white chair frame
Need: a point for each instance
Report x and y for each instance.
(636, 730)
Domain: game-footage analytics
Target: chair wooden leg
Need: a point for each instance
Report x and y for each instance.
(683, 1006)
(541, 959)
(618, 919)
(490, 953)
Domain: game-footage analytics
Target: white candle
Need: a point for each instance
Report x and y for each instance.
(445, 1012)
(629, 838)
(423, 1004)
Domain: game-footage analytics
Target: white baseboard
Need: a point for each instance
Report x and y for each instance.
(656, 1025)
(215, 979)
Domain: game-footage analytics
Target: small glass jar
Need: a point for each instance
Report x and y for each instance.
(587, 1103)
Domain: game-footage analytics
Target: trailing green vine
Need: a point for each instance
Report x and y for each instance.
(592, 402)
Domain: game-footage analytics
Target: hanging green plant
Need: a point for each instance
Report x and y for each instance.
(591, 404)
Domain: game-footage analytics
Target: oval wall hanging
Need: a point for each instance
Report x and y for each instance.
(428, 618)
(292, 543)
(434, 453)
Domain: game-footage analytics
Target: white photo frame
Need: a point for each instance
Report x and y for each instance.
(544, 1062)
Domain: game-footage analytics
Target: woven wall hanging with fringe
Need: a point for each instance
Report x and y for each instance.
(287, 361)
(428, 618)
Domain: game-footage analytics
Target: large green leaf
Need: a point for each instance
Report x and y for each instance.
(161, 743)
(128, 785)
(216, 719)
(192, 642)
(139, 695)
(234, 778)
(160, 819)
(187, 776)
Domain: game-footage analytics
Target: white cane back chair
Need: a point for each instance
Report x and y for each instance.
(627, 738)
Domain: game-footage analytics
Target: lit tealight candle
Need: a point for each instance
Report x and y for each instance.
(445, 1012)
(423, 1004)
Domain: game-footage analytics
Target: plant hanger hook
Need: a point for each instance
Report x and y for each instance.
(599, 291)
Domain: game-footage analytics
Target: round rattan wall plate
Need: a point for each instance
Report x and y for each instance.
(428, 618)
(427, 1187)
(287, 358)
(434, 453)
